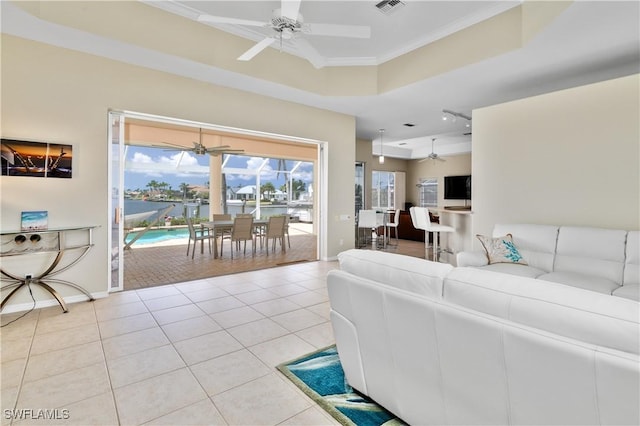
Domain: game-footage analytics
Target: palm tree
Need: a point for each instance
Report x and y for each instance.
(184, 187)
(268, 188)
(153, 185)
(163, 186)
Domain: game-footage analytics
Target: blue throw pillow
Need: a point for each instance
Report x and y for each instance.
(501, 250)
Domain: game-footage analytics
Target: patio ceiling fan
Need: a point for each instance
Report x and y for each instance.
(200, 149)
(288, 24)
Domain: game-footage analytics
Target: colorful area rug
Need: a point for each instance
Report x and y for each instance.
(320, 376)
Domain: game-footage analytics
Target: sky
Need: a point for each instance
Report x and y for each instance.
(145, 164)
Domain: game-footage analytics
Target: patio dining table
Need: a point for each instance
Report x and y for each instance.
(216, 226)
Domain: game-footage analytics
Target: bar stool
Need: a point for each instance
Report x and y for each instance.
(421, 220)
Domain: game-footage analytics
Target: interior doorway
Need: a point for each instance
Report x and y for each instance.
(182, 138)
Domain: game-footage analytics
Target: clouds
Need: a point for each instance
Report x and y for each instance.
(145, 164)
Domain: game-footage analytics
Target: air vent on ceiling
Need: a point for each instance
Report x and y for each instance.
(388, 6)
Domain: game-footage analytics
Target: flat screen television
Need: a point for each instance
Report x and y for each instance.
(457, 187)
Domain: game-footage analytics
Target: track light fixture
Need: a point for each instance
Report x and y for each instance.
(381, 158)
(453, 116)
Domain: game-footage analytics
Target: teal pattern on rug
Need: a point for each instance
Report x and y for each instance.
(320, 376)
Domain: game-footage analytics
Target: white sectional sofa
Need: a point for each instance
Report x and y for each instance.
(441, 345)
(596, 259)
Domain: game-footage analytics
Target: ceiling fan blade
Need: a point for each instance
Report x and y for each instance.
(290, 9)
(170, 146)
(257, 48)
(224, 20)
(217, 152)
(335, 30)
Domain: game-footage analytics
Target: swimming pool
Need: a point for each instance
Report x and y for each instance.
(153, 236)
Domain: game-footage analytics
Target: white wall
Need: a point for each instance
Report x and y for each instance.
(62, 96)
(569, 157)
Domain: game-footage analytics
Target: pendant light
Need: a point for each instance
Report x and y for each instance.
(381, 158)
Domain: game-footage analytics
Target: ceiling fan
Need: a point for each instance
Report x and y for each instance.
(433, 155)
(200, 149)
(287, 24)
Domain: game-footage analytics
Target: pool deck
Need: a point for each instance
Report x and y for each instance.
(167, 262)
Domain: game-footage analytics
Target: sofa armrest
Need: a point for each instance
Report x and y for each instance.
(472, 258)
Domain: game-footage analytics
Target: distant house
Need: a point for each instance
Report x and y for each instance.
(246, 193)
(278, 196)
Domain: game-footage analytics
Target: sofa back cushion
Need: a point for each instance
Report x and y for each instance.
(408, 273)
(591, 251)
(591, 317)
(536, 243)
(632, 259)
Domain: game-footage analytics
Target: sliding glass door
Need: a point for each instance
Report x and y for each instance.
(116, 201)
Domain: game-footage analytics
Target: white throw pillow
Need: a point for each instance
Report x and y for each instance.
(501, 250)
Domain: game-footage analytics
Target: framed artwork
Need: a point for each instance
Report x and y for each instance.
(35, 159)
(34, 221)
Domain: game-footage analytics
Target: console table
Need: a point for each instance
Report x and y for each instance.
(53, 245)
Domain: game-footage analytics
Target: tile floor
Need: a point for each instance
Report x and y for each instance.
(195, 352)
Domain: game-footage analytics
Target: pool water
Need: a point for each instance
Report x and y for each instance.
(159, 235)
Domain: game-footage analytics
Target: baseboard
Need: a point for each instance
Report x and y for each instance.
(69, 300)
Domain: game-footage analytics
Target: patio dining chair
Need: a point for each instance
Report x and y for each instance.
(198, 234)
(275, 231)
(223, 233)
(242, 231)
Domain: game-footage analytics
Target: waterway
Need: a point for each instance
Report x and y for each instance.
(141, 206)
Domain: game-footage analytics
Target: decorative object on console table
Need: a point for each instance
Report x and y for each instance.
(54, 244)
(34, 220)
(36, 159)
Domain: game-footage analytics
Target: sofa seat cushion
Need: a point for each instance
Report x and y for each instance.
(628, 291)
(587, 316)
(408, 273)
(515, 269)
(587, 282)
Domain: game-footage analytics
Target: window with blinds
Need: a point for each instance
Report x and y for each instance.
(428, 192)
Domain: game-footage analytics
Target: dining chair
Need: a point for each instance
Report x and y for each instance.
(275, 231)
(394, 224)
(367, 220)
(198, 234)
(242, 231)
